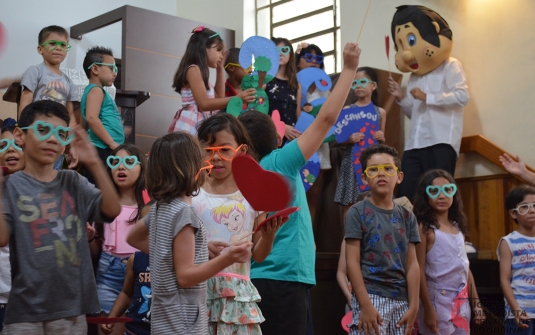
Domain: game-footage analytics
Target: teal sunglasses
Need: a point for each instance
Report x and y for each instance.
(362, 82)
(44, 130)
(284, 50)
(128, 162)
(112, 66)
(6, 143)
(448, 190)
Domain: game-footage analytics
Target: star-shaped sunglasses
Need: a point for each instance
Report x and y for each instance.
(44, 130)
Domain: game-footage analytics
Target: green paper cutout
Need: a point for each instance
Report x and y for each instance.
(234, 106)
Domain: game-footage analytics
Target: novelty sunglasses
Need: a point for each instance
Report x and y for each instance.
(362, 82)
(284, 50)
(6, 143)
(248, 70)
(112, 66)
(524, 208)
(448, 190)
(225, 152)
(309, 57)
(52, 45)
(128, 162)
(44, 130)
(373, 171)
(207, 168)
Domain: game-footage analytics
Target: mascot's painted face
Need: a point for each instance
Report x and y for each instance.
(420, 51)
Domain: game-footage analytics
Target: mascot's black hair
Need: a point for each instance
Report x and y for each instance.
(422, 17)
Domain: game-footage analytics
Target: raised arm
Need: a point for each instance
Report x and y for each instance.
(518, 168)
(313, 137)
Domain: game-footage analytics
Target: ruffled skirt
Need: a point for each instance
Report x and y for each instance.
(232, 307)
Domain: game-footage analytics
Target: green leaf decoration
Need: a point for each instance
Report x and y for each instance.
(234, 106)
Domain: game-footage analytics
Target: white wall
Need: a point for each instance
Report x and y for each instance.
(495, 42)
(23, 19)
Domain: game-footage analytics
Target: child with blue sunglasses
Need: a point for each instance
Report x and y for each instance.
(447, 288)
(127, 165)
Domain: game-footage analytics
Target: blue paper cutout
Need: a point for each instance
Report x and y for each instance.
(357, 120)
(305, 120)
(311, 75)
(310, 172)
(259, 46)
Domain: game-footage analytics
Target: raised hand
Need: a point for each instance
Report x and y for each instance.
(352, 56)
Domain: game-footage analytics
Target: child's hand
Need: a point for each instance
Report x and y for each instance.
(270, 229)
(480, 316)
(521, 318)
(395, 89)
(86, 150)
(249, 95)
(72, 158)
(240, 252)
(408, 320)
(291, 133)
(107, 329)
(355, 138)
(370, 320)
(517, 168)
(431, 320)
(351, 56)
(90, 231)
(418, 94)
(221, 65)
(379, 136)
(215, 247)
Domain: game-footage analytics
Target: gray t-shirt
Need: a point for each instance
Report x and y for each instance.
(46, 85)
(175, 310)
(385, 236)
(51, 271)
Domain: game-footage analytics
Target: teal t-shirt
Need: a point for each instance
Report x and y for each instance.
(293, 256)
(109, 116)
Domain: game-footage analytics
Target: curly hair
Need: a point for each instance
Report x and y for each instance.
(425, 214)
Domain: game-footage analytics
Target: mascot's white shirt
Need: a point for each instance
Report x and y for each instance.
(440, 118)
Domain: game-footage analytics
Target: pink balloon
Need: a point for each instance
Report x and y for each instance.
(3, 37)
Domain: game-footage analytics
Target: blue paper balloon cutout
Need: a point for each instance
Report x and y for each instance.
(305, 120)
(310, 172)
(311, 75)
(259, 46)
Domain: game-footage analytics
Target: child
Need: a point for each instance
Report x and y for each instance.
(446, 283)
(135, 296)
(45, 81)
(199, 101)
(515, 253)
(127, 165)
(285, 275)
(99, 111)
(232, 298)
(283, 89)
(12, 157)
(45, 212)
(178, 250)
(235, 73)
(365, 87)
(380, 253)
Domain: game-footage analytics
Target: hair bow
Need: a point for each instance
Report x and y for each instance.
(198, 29)
(300, 47)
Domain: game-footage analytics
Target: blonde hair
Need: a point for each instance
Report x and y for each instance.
(223, 211)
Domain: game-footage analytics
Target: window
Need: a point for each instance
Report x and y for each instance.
(312, 21)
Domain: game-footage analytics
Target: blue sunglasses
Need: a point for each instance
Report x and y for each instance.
(448, 190)
(128, 162)
(44, 130)
(6, 143)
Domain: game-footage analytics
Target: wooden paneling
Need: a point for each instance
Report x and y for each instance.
(484, 205)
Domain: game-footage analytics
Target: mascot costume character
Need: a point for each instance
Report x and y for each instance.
(436, 93)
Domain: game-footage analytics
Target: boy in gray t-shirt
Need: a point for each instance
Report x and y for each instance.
(380, 251)
(44, 220)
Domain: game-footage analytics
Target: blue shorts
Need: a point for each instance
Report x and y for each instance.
(110, 278)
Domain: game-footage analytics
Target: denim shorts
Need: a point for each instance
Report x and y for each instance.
(110, 278)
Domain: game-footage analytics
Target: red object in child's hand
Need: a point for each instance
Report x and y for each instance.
(265, 190)
(284, 213)
(97, 320)
(5, 170)
(387, 47)
(346, 320)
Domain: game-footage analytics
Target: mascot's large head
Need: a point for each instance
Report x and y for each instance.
(423, 39)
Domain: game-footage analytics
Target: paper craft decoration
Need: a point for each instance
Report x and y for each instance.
(234, 106)
(284, 213)
(305, 120)
(146, 198)
(347, 320)
(95, 320)
(266, 64)
(279, 125)
(310, 172)
(265, 190)
(356, 120)
(311, 75)
(387, 48)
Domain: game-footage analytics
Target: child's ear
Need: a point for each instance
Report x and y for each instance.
(364, 179)
(244, 149)
(512, 213)
(18, 135)
(400, 177)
